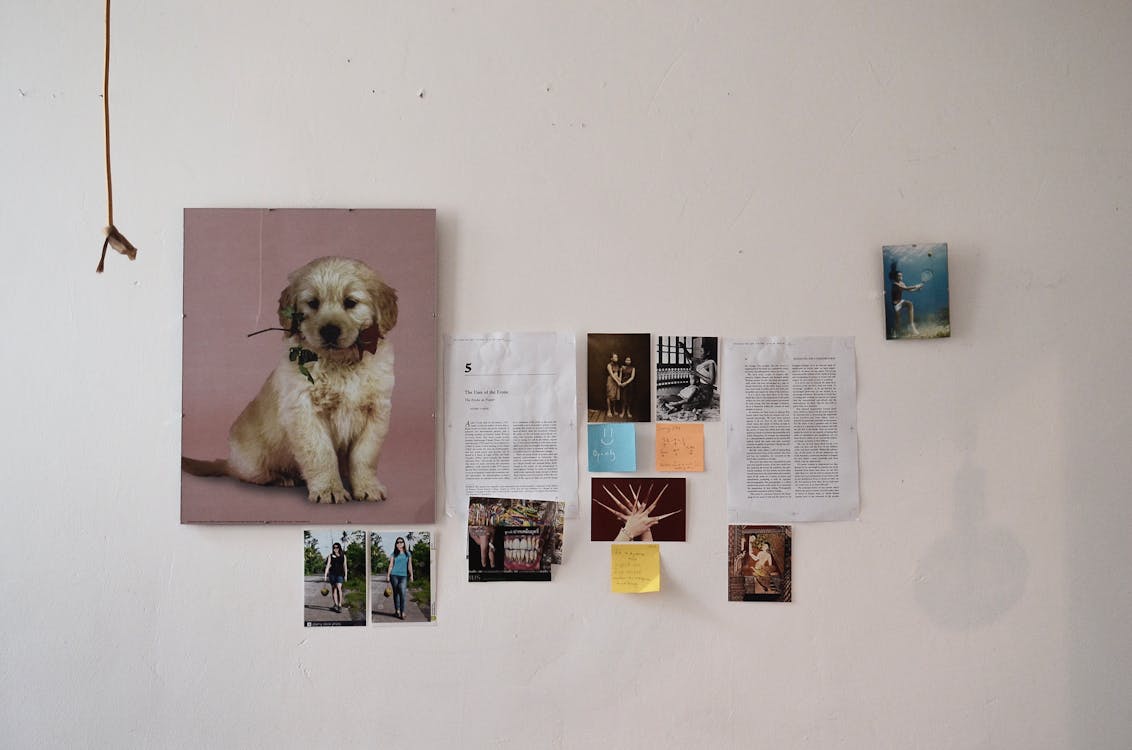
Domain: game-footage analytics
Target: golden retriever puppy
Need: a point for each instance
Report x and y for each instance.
(321, 421)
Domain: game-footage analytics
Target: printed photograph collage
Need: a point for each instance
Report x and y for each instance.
(315, 405)
(352, 577)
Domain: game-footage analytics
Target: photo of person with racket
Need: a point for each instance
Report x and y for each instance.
(898, 301)
(916, 310)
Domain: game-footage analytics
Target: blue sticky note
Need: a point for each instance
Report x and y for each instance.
(612, 447)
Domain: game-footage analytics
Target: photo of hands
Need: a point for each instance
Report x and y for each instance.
(640, 509)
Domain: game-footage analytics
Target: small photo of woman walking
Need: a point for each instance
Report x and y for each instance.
(334, 577)
(335, 574)
(401, 577)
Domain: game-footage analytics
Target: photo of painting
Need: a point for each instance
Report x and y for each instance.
(638, 509)
(310, 366)
(617, 383)
(401, 564)
(514, 539)
(334, 577)
(917, 302)
(687, 379)
(759, 562)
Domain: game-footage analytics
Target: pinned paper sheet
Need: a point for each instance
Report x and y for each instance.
(612, 447)
(634, 568)
(679, 446)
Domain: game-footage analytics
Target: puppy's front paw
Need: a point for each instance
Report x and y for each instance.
(369, 489)
(327, 492)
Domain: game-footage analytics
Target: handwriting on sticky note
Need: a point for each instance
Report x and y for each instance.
(612, 447)
(634, 568)
(679, 447)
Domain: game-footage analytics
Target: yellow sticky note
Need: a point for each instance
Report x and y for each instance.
(679, 446)
(634, 568)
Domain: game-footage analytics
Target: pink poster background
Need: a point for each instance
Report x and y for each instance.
(236, 265)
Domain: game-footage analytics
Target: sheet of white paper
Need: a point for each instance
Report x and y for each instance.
(790, 413)
(511, 418)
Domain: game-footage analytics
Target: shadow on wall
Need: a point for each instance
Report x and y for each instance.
(976, 572)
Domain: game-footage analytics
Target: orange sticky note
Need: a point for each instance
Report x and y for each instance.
(634, 568)
(679, 446)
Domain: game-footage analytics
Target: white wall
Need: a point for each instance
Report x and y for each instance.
(709, 167)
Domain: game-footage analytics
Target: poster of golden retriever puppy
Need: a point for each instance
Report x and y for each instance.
(295, 407)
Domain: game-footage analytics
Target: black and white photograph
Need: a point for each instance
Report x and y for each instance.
(687, 379)
(617, 383)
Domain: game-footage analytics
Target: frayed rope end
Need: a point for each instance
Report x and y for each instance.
(118, 241)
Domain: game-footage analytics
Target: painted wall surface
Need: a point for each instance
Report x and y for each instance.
(718, 168)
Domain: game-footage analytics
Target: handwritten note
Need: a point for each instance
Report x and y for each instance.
(612, 447)
(679, 446)
(634, 568)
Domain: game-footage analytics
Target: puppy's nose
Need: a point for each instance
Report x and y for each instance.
(330, 333)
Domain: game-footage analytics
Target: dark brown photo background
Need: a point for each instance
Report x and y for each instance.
(604, 526)
(599, 347)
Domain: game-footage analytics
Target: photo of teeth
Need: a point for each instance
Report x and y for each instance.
(513, 539)
(522, 551)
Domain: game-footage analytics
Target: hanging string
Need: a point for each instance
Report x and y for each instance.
(114, 238)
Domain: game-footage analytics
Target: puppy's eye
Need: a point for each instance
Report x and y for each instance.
(313, 304)
(350, 302)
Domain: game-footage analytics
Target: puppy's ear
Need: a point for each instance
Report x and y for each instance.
(287, 302)
(385, 297)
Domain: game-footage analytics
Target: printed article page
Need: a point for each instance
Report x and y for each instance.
(791, 422)
(511, 418)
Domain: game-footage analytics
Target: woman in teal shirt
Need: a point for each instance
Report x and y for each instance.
(400, 572)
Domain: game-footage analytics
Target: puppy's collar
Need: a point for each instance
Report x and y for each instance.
(367, 340)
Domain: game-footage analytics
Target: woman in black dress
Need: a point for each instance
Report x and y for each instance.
(628, 387)
(336, 573)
